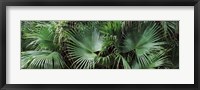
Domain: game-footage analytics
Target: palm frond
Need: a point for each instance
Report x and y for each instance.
(42, 40)
(42, 60)
(143, 42)
(100, 44)
(157, 60)
(82, 47)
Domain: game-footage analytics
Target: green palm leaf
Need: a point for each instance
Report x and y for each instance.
(144, 42)
(158, 60)
(83, 46)
(170, 28)
(112, 28)
(42, 60)
(119, 58)
(43, 39)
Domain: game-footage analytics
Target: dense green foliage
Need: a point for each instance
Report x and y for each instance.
(100, 44)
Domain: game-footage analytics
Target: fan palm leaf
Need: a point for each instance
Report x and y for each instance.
(82, 48)
(158, 60)
(42, 60)
(144, 42)
(43, 39)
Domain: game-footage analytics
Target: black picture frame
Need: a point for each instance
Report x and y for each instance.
(4, 3)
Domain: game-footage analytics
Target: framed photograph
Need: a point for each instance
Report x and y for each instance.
(99, 44)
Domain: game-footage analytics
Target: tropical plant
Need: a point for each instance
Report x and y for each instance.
(42, 60)
(100, 44)
(45, 53)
